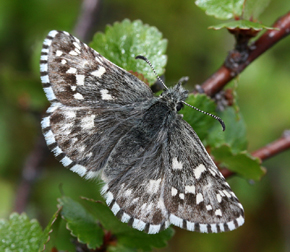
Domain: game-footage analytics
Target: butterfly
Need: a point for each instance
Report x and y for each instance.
(104, 122)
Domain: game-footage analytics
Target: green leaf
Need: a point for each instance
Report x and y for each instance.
(20, 234)
(123, 41)
(253, 8)
(200, 122)
(81, 223)
(221, 9)
(53, 225)
(121, 248)
(234, 135)
(242, 24)
(127, 236)
(242, 163)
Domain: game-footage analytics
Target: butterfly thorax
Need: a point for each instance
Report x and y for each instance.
(174, 96)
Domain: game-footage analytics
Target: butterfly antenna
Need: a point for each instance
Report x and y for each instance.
(149, 63)
(214, 116)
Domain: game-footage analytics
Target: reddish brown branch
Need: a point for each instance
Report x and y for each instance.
(225, 74)
(273, 148)
(267, 151)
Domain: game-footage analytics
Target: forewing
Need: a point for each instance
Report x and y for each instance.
(196, 194)
(82, 139)
(76, 75)
(93, 103)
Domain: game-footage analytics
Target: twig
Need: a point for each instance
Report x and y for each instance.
(87, 18)
(220, 78)
(274, 148)
(30, 172)
(267, 151)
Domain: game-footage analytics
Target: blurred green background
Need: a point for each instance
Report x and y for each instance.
(194, 51)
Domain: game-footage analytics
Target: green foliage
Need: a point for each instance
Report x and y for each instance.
(235, 133)
(81, 223)
(229, 147)
(86, 227)
(221, 9)
(122, 42)
(244, 10)
(127, 236)
(21, 234)
(199, 121)
(241, 24)
(242, 162)
(254, 8)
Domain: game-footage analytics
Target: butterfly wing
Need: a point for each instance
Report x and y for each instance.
(135, 174)
(196, 195)
(93, 103)
(76, 75)
(164, 175)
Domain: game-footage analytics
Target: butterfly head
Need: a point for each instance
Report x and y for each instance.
(174, 97)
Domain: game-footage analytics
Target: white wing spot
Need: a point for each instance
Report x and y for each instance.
(213, 228)
(66, 161)
(176, 165)
(219, 198)
(44, 57)
(190, 189)
(127, 193)
(125, 218)
(181, 196)
(231, 225)
(80, 79)
(78, 96)
(49, 93)
(218, 212)
(57, 151)
(70, 114)
(153, 229)
(105, 94)
(77, 45)
(173, 191)
(47, 42)
(77, 51)
(63, 61)
(226, 193)
(74, 53)
(240, 220)
(58, 53)
(138, 224)
(190, 226)
(153, 185)
(208, 207)
(73, 88)
(199, 198)
(203, 228)
(44, 79)
(49, 137)
(88, 122)
(98, 59)
(99, 72)
(176, 220)
(115, 208)
(199, 170)
(71, 70)
(43, 67)
(222, 227)
(45, 122)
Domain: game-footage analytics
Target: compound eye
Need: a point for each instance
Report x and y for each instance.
(179, 106)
